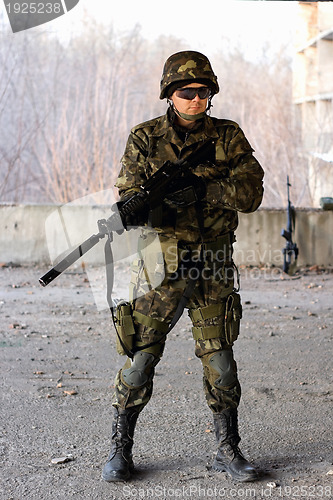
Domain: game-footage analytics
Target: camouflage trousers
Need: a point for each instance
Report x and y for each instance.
(208, 307)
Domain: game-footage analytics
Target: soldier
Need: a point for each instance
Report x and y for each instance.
(196, 223)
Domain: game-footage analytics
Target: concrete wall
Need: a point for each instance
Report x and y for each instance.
(259, 238)
(39, 233)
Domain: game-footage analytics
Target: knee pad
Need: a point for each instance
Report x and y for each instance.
(138, 373)
(223, 363)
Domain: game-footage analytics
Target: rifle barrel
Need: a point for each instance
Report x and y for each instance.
(70, 259)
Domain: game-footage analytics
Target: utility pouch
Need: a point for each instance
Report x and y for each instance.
(125, 328)
(233, 315)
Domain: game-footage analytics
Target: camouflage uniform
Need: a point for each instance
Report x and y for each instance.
(195, 238)
(234, 183)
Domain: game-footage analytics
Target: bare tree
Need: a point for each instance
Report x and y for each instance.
(107, 91)
(16, 131)
(258, 95)
(67, 109)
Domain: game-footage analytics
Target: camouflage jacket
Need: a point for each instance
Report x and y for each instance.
(233, 180)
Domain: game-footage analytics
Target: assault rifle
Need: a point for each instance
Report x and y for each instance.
(151, 193)
(291, 249)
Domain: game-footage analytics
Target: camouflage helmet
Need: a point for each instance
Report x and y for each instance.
(185, 67)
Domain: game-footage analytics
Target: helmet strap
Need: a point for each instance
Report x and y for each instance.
(209, 103)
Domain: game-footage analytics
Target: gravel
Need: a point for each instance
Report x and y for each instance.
(58, 362)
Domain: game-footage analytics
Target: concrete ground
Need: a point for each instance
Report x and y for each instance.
(58, 362)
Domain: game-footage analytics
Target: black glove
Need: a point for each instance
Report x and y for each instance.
(187, 190)
(137, 218)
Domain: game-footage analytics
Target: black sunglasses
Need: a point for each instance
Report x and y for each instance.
(189, 93)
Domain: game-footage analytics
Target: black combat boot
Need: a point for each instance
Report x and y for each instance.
(229, 457)
(119, 465)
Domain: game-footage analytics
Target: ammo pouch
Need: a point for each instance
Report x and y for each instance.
(233, 315)
(125, 327)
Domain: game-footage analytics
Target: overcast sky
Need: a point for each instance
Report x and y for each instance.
(202, 24)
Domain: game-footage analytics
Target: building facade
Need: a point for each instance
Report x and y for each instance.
(313, 94)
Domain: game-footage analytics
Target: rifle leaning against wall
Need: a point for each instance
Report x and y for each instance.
(151, 193)
(290, 252)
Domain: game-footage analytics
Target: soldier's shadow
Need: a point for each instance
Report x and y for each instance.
(149, 469)
(196, 469)
(300, 460)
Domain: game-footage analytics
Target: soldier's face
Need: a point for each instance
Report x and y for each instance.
(190, 107)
